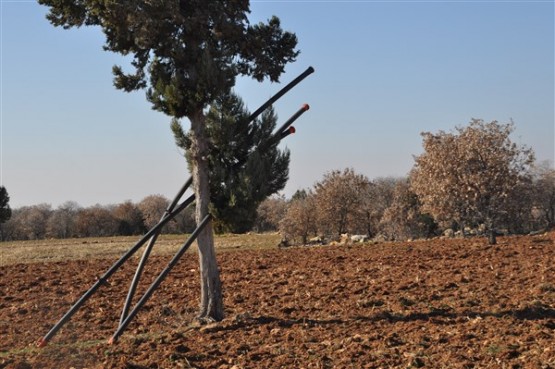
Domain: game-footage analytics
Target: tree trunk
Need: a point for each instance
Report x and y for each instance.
(492, 236)
(211, 302)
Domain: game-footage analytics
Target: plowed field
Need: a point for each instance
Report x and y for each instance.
(430, 304)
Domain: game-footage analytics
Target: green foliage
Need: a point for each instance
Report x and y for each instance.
(300, 195)
(5, 211)
(245, 165)
(185, 53)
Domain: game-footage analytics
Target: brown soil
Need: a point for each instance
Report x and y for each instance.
(433, 304)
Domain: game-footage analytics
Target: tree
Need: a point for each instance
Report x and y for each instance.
(518, 215)
(186, 54)
(5, 211)
(469, 176)
(338, 200)
(383, 193)
(31, 221)
(184, 222)
(96, 221)
(300, 218)
(544, 193)
(403, 219)
(13, 228)
(245, 164)
(269, 213)
(130, 219)
(152, 208)
(61, 223)
(368, 212)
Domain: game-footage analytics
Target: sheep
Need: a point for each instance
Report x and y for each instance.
(359, 238)
(347, 238)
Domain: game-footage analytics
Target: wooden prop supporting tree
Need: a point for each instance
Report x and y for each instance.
(172, 210)
(186, 54)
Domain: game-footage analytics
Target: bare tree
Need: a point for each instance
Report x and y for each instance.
(379, 196)
(61, 223)
(33, 221)
(468, 176)
(13, 229)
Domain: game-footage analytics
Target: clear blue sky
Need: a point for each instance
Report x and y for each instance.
(385, 71)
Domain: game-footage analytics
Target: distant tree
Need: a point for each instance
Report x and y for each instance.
(130, 219)
(245, 166)
(269, 213)
(470, 175)
(403, 219)
(61, 223)
(96, 221)
(152, 208)
(186, 54)
(5, 211)
(31, 222)
(184, 222)
(518, 215)
(382, 196)
(300, 220)
(339, 197)
(543, 197)
(13, 229)
(300, 194)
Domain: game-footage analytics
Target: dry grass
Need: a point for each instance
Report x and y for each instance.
(113, 247)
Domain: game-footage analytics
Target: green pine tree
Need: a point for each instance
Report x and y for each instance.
(245, 164)
(186, 54)
(5, 211)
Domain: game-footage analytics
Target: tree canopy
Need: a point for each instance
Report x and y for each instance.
(469, 176)
(338, 199)
(185, 53)
(5, 211)
(245, 164)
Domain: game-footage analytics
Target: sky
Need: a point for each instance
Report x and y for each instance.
(385, 72)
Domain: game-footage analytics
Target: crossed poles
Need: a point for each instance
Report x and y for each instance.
(173, 209)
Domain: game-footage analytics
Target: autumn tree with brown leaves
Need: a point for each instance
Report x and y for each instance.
(339, 198)
(469, 176)
(300, 218)
(543, 197)
(269, 213)
(403, 219)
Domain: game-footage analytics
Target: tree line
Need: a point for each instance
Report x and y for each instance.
(474, 180)
(71, 220)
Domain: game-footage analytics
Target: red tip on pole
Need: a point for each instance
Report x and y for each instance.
(111, 341)
(42, 342)
(292, 130)
(306, 107)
